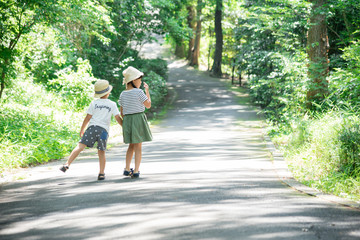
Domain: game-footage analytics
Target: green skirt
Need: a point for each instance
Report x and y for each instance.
(136, 128)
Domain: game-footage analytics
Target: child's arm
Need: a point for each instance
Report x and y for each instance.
(84, 124)
(147, 103)
(121, 112)
(119, 120)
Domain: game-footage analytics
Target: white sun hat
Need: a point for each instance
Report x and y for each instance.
(102, 88)
(131, 74)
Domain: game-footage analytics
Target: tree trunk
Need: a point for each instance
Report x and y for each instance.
(194, 61)
(317, 49)
(192, 25)
(2, 84)
(216, 68)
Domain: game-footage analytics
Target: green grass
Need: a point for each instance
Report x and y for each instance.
(36, 126)
(318, 154)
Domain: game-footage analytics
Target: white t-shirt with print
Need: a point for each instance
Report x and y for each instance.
(101, 111)
(132, 101)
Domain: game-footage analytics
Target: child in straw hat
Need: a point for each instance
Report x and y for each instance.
(133, 102)
(98, 118)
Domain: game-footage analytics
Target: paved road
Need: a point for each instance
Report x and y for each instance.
(206, 175)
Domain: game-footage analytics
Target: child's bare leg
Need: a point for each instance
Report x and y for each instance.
(129, 156)
(138, 152)
(75, 153)
(102, 161)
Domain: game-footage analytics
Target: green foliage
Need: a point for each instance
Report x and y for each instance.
(41, 53)
(133, 22)
(158, 66)
(18, 18)
(270, 45)
(343, 25)
(158, 89)
(344, 82)
(349, 139)
(155, 75)
(323, 152)
(77, 86)
(35, 126)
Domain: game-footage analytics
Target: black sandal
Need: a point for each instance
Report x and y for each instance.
(135, 175)
(101, 176)
(64, 168)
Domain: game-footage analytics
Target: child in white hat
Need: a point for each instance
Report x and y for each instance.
(98, 118)
(133, 102)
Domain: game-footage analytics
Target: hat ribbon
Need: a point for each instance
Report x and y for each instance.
(103, 91)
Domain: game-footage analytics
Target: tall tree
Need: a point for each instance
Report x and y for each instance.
(317, 49)
(191, 19)
(194, 60)
(216, 68)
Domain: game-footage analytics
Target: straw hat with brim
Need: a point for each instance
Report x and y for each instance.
(102, 88)
(131, 74)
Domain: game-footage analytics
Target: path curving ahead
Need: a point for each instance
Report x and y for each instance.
(206, 175)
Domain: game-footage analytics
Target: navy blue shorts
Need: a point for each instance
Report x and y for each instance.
(95, 134)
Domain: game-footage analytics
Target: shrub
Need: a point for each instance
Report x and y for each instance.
(76, 86)
(323, 152)
(282, 92)
(41, 53)
(349, 139)
(158, 89)
(345, 83)
(35, 126)
(158, 66)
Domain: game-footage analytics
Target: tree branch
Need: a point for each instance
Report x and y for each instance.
(342, 40)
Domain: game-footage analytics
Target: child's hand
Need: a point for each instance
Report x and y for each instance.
(81, 133)
(146, 86)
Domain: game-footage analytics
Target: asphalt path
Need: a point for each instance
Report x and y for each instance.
(206, 175)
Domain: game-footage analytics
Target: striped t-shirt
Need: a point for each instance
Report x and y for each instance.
(132, 101)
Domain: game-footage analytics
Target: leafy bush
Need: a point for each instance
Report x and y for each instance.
(158, 66)
(323, 152)
(37, 137)
(282, 92)
(344, 82)
(158, 89)
(349, 139)
(41, 53)
(76, 86)
(35, 126)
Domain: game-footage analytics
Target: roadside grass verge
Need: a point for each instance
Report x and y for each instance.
(324, 152)
(36, 126)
